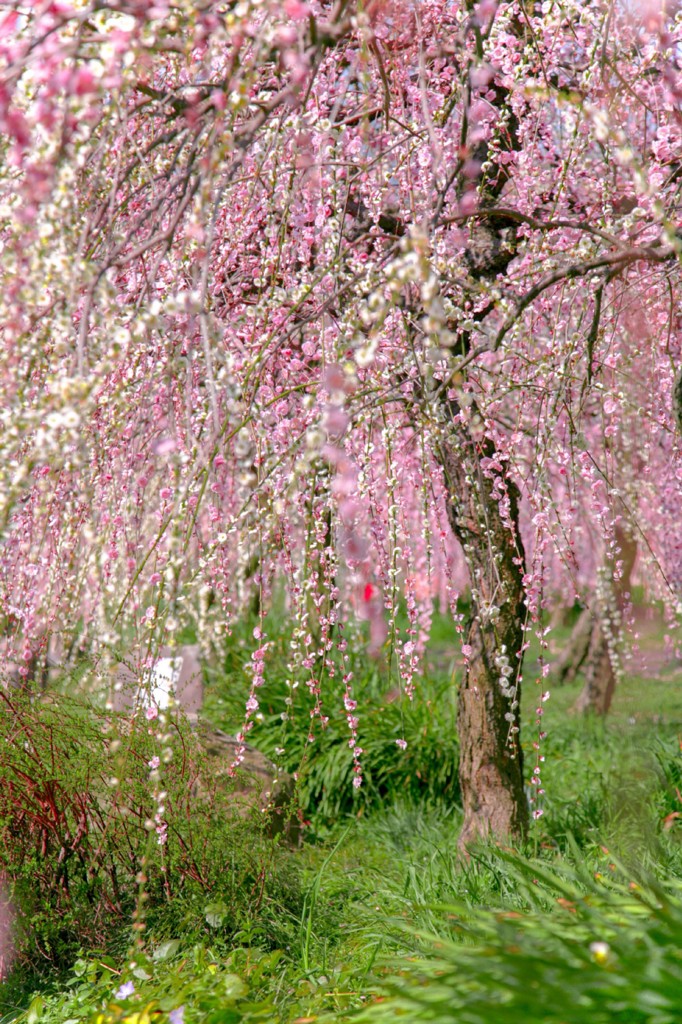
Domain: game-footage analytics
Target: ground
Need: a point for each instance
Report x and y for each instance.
(377, 915)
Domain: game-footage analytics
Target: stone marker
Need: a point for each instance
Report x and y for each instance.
(176, 672)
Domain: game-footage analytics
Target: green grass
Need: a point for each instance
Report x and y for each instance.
(377, 917)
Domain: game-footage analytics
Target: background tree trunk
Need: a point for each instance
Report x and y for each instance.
(600, 668)
(574, 654)
(600, 679)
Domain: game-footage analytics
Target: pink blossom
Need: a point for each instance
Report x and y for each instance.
(164, 446)
(83, 81)
(296, 10)
(302, 362)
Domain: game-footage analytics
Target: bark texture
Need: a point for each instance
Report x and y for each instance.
(601, 660)
(600, 678)
(573, 657)
(491, 763)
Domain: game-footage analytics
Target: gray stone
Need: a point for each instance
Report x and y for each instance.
(256, 783)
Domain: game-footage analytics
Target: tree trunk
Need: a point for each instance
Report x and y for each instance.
(600, 679)
(574, 654)
(600, 664)
(491, 763)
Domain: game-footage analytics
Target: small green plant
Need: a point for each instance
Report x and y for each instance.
(669, 762)
(83, 857)
(200, 987)
(588, 948)
(408, 747)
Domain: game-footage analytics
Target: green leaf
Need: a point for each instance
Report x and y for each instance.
(233, 986)
(166, 950)
(224, 1016)
(215, 914)
(35, 1010)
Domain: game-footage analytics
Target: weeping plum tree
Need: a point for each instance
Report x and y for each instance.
(362, 300)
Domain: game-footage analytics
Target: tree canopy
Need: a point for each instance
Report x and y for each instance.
(358, 300)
